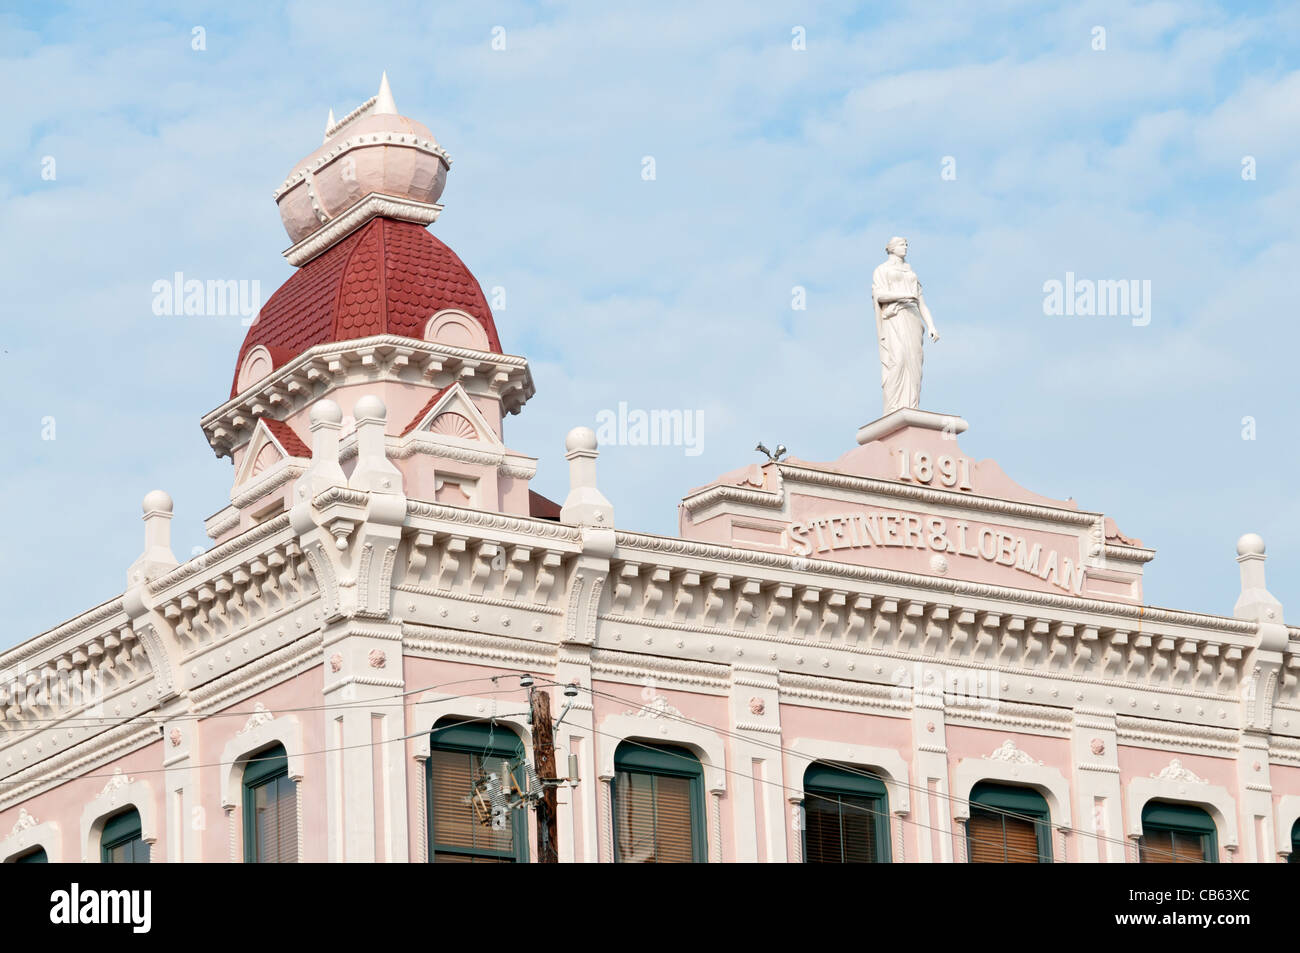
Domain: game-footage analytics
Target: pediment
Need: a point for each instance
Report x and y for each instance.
(909, 499)
(262, 453)
(453, 418)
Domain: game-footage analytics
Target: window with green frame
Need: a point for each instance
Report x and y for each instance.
(461, 753)
(270, 809)
(658, 803)
(37, 856)
(1008, 825)
(1177, 834)
(846, 816)
(122, 841)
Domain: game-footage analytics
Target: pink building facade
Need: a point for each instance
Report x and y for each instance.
(897, 656)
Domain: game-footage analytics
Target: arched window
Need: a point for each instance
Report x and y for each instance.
(1008, 825)
(846, 816)
(270, 809)
(1176, 834)
(121, 841)
(1294, 856)
(658, 802)
(462, 757)
(35, 856)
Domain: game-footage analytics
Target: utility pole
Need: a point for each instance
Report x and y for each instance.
(548, 849)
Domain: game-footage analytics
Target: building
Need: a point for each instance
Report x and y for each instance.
(899, 655)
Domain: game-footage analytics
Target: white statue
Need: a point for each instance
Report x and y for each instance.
(902, 319)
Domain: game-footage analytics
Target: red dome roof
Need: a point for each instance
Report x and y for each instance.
(388, 277)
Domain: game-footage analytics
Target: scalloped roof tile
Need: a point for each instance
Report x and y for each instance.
(387, 277)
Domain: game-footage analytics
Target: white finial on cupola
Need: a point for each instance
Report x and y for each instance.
(329, 124)
(384, 105)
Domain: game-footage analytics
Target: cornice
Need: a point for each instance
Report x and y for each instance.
(113, 609)
(303, 653)
(373, 205)
(214, 556)
(284, 471)
(812, 567)
(384, 357)
(1129, 554)
(1175, 736)
(794, 686)
(437, 642)
(68, 764)
(529, 525)
(921, 494)
(635, 665)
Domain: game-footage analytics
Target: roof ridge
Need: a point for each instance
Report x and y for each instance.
(347, 268)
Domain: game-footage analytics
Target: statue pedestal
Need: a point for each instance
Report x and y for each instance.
(911, 417)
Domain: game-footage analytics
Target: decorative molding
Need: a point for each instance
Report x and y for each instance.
(222, 551)
(374, 205)
(1174, 771)
(1009, 753)
(1021, 598)
(657, 707)
(259, 717)
(283, 663)
(115, 783)
(532, 526)
(303, 380)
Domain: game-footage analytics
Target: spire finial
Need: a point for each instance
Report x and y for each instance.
(384, 104)
(329, 124)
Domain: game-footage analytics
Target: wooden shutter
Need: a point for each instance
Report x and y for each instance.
(1188, 848)
(1001, 839)
(985, 839)
(673, 821)
(1156, 847)
(1021, 840)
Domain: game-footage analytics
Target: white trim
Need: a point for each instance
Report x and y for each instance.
(458, 317)
(1214, 799)
(286, 730)
(1046, 780)
(45, 836)
(1288, 812)
(113, 800)
(435, 706)
(703, 743)
(802, 752)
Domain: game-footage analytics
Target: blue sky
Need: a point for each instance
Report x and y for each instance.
(775, 168)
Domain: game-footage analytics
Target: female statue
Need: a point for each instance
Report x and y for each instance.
(902, 319)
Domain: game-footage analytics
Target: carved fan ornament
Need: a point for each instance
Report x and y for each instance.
(453, 425)
(266, 457)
